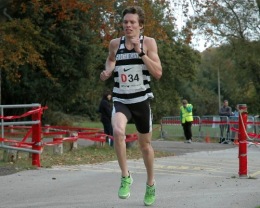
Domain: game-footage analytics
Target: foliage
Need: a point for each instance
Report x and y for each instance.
(52, 53)
(67, 65)
(22, 45)
(238, 68)
(233, 26)
(179, 64)
(245, 68)
(220, 21)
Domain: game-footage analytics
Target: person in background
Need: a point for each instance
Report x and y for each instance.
(186, 119)
(225, 111)
(236, 112)
(133, 58)
(105, 109)
(234, 119)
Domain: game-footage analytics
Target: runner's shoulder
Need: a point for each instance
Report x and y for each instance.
(115, 42)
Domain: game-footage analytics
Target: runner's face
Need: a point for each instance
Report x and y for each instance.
(131, 25)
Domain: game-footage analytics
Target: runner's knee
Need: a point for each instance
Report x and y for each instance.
(118, 132)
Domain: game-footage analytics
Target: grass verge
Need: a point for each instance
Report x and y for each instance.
(82, 155)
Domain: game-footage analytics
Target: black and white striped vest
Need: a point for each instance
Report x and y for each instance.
(131, 77)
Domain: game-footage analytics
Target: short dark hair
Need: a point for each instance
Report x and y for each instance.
(184, 101)
(135, 10)
(106, 93)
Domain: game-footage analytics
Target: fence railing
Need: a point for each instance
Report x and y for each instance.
(16, 130)
(35, 121)
(213, 126)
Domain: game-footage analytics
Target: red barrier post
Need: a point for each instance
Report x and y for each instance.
(36, 138)
(242, 139)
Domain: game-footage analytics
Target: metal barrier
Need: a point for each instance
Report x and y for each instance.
(171, 127)
(233, 121)
(213, 126)
(33, 147)
(196, 128)
(257, 124)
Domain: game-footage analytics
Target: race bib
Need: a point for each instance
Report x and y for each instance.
(130, 77)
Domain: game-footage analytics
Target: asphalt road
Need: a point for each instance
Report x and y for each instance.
(180, 148)
(201, 175)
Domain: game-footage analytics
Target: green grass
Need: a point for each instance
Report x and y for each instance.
(83, 155)
(130, 128)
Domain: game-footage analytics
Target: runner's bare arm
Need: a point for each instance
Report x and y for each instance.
(152, 60)
(110, 61)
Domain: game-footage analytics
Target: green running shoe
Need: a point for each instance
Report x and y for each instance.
(124, 190)
(149, 197)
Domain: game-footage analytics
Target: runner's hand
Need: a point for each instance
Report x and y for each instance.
(104, 75)
(136, 43)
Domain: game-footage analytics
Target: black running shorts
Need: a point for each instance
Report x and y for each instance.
(139, 112)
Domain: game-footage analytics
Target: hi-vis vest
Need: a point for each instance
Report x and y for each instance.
(186, 113)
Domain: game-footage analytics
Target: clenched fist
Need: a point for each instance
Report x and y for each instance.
(104, 75)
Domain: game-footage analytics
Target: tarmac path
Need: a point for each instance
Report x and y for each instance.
(206, 176)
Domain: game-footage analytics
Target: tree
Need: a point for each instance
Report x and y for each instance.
(234, 27)
(58, 49)
(258, 5)
(220, 21)
(38, 46)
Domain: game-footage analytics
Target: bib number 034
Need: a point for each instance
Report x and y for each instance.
(129, 78)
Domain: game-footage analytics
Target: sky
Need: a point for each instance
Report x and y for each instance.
(198, 42)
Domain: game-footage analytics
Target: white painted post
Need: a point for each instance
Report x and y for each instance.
(58, 148)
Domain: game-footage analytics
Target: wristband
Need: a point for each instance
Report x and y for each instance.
(141, 54)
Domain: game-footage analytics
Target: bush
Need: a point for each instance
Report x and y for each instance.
(57, 118)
